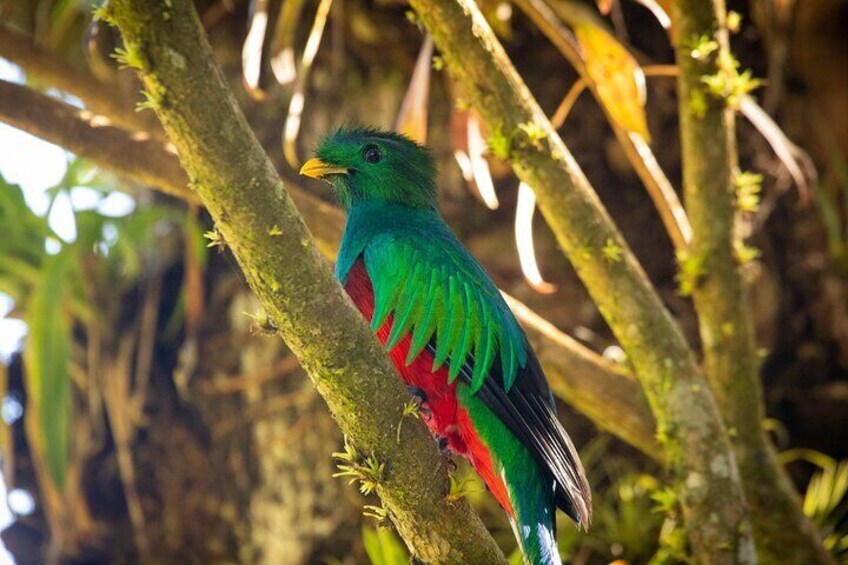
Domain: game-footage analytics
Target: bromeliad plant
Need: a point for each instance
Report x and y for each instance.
(64, 289)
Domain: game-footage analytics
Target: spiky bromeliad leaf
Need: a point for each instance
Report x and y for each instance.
(46, 356)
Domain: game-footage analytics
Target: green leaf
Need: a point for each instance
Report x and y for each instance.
(46, 356)
(383, 547)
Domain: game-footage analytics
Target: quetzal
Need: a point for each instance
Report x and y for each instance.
(450, 334)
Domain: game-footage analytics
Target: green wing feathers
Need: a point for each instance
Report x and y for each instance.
(441, 292)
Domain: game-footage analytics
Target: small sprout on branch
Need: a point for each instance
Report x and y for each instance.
(612, 251)
(149, 103)
(129, 57)
(411, 409)
(534, 132)
(728, 83)
(262, 323)
(748, 188)
(103, 13)
(734, 22)
(460, 488)
(378, 513)
(216, 238)
(275, 231)
(701, 47)
(745, 253)
(438, 63)
(367, 471)
(665, 499)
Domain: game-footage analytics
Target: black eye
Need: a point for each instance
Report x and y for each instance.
(371, 154)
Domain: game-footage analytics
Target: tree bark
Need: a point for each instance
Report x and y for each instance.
(304, 303)
(698, 451)
(708, 136)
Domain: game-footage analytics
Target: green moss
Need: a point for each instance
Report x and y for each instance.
(734, 22)
(691, 271)
(612, 251)
(103, 13)
(700, 47)
(500, 145)
(745, 253)
(748, 188)
(698, 103)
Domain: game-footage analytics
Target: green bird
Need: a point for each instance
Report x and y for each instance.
(449, 333)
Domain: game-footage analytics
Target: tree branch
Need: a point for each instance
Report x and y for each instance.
(241, 190)
(134, 155)
(100, 98)
(580, 377)
(708, 138)
(700, 457)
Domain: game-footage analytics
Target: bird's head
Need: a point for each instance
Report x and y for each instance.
(365, 164)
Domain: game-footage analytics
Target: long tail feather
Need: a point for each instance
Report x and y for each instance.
(534, 520)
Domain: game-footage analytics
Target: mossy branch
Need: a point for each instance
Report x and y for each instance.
(708, 140)
(696, 444)
(240, 189)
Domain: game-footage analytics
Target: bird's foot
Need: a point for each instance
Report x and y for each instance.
(447, 454)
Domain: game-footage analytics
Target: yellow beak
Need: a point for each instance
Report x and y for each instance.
(318, 169)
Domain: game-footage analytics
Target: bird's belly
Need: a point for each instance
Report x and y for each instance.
(442, 412)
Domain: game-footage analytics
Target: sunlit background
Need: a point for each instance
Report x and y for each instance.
(36, 166)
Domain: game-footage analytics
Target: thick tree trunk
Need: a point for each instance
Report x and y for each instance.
(708, 137)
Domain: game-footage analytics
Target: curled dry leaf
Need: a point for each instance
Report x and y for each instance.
(618, 78)
(256, 50)
(524, 211)
(298, 100)
(796, 160)
(412, 117)
(469, 151)
(283, 62)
